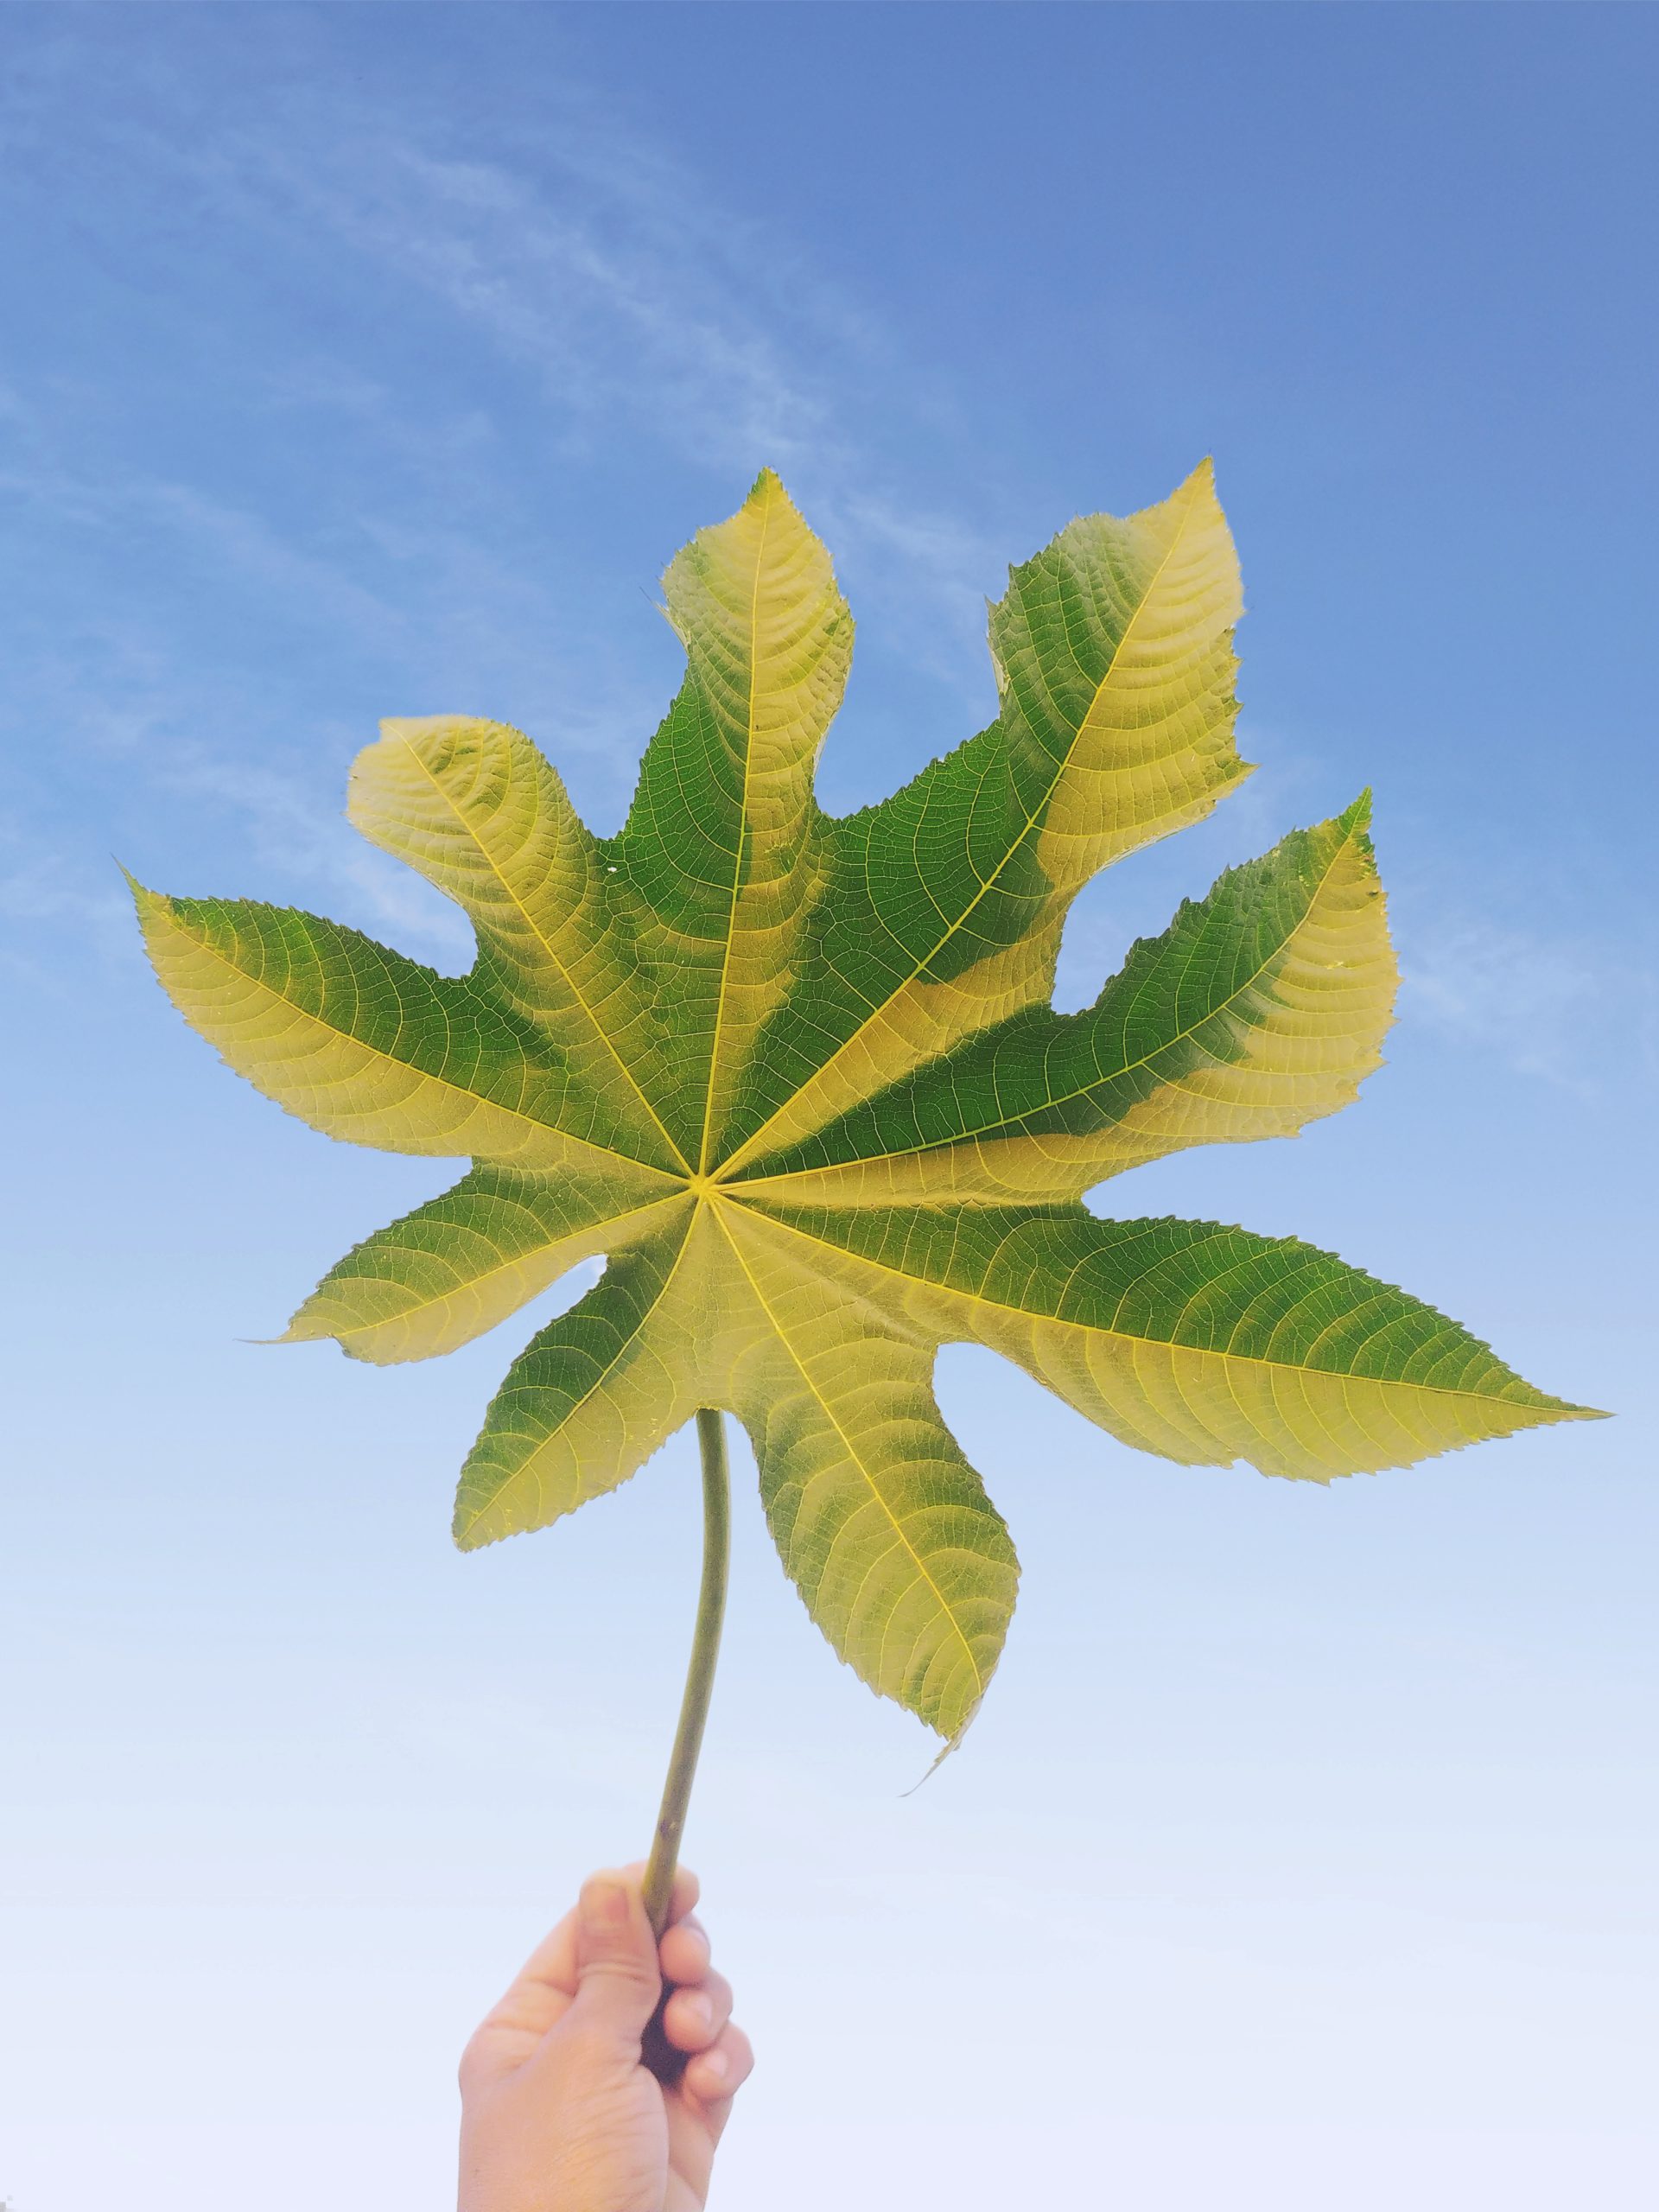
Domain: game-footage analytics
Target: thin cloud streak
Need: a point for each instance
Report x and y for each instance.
(1557, 1009)
(606, 268)
(641, 308)
(634, 300)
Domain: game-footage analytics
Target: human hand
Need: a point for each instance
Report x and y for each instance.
(557, 2112)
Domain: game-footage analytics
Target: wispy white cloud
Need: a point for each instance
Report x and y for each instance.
(644, 305)
(591, 257)
(45, 884)
(291, 824)
(578, 292)
(1560, 1007)
(639, 300)
(212, 529)
(36, 886)
(640, 306)
(935, 572)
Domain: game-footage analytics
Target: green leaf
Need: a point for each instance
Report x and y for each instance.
(942, 906)
(1203, 1344)
(593, 1397)
(722, 846)
(458, 1265)
(478, 810)
(1261, 1008)
(799, 1081)
(369, 1046)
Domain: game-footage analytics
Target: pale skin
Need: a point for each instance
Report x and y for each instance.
(558, 2112)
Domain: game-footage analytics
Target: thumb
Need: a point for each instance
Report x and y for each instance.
(619, 1978)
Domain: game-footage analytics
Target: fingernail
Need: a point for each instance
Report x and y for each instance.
(716, 2062)
(700, 2008)
(604, 1908)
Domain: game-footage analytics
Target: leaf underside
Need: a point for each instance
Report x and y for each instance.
(799, 1080)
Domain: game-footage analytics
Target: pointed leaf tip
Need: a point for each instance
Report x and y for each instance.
(147, 903)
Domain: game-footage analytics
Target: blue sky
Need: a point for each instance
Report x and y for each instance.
(373, 360)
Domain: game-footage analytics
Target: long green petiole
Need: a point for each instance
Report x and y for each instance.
(700, 1673)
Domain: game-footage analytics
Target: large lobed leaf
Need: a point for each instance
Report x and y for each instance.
(800, 1081)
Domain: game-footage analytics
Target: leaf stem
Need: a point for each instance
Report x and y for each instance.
(700, 1673)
